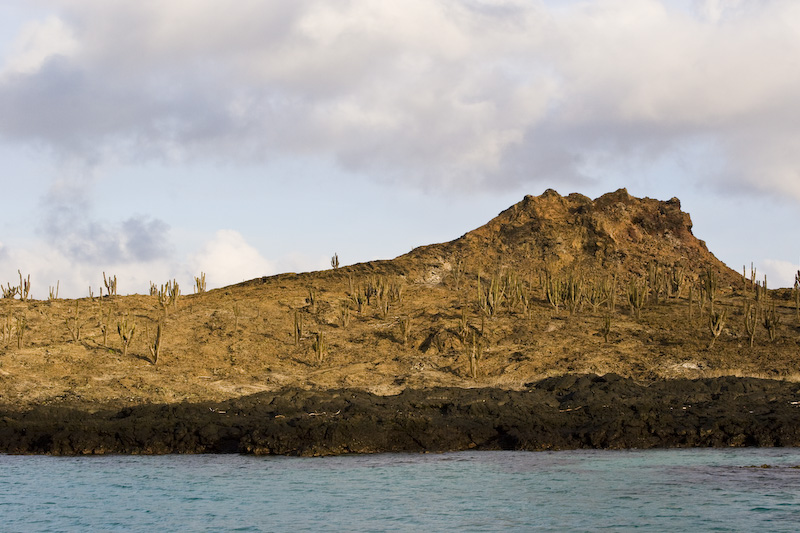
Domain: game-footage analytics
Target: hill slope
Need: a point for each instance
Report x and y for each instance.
(471, 312)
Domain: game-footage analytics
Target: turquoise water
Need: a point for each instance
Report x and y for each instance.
(697, 490)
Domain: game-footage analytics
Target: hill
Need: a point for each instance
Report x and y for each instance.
(544, 289)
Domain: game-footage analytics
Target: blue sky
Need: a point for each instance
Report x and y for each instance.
(155, 140)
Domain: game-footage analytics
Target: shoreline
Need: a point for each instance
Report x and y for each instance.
(559, 413)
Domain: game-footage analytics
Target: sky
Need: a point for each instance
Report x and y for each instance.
(156, 140)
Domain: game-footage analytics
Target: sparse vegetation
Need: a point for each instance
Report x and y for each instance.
(168, 295)
(750, 321)
(9, 292)
(605, 328)
(405, 329)
(74, 324)
(200, 283)
(111, 284)
(298, 327)
(716, 323)
(481, 311)
(126, 329)
(53, 291)
(319, 346)
(20, 327)
(155, 344)
(344, 315)
(24, 287)
(771, 322)
(637, 293)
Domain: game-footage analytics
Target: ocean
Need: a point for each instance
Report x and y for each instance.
(738, 489)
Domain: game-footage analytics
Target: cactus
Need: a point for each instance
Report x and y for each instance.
(298, 327)
(493, 296)
(653, 280)
(554, 291)
(676, 280)
(200, 283)
(9, 292)
(750, 321)
(710, 283)
(797, 295)
(168, 295)
(383, 305)
(155, 345)
(53, 291)
(319, 346)
(126, 331)
(463, 326)
(597, 292)
(405, 329)
(358, 299)
(237, 313)
(573, 293)
(104, 328)
(20, 327)
(8, 329)
(74, 324)
(474, 353)
(605, 329)
(716, 323)
(24, 287)
(637, 293)
(111, 284)
(771, 321)
(344, 315)
(457, 273)
(335, 261)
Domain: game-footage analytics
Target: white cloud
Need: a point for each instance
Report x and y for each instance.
(37, 42)
(447, 93)
(227, 259)
(779, 273)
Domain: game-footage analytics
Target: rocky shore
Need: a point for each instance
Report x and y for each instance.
(567, 412)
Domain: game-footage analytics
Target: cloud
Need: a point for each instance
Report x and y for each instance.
(444, 94)
(779, 273)
(37, 42)
(68, 226)
(227, 259)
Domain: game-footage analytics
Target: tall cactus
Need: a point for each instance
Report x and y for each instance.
(637, 294)
(716, 323)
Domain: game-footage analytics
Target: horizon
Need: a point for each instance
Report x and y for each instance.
(157, 141)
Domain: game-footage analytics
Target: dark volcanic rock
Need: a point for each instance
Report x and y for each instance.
(583, 411)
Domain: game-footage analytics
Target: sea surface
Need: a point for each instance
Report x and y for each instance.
(656, 490)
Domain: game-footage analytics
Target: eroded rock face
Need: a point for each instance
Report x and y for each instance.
(615, 231)
(566, 412)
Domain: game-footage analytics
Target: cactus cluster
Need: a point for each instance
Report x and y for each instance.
(168, 295)
(200, 283)
(716, 323)
(637, 294)
(126, 330)
(111, 284)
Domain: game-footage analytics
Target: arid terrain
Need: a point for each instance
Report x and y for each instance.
(497, 339)
(473, 312)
